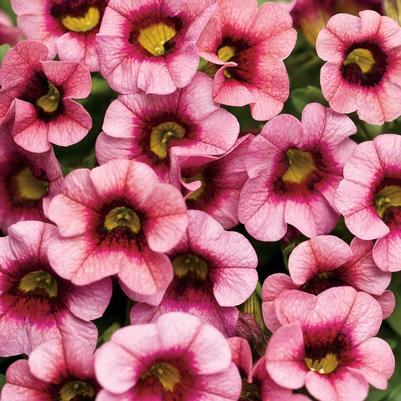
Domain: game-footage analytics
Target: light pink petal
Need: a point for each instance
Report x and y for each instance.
(73, 78)
(145, 273)
(377, 362)
(263, 216)
(285, 357)
(387, 303)
(71, 126)
(363, 272)
(386, 252)
(89, 302)
(320, 254)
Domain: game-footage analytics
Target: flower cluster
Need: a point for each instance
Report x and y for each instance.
(152, 169)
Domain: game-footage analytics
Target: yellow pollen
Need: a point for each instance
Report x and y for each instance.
(324, 366)
(77, 390)
(187, 264)
(28, 187)
(154, 37)
(50, 102)
(84, 23)
(311, 26)
(162, 135)
(300, 166)
(226, 53)
(363, 58)
(39, 280)
(122, 217)
(197, 194)
(168, 375)
(388, 197)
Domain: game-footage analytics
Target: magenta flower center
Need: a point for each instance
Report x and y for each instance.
(122, 218)
(300, 166)
(167, 375)
(387, 198)
(325, 350)
(26, 188)
(77, 391)
(190, 265)
(77, 15)
(162, 135)
(39, 282)
(323, 281)
(364, 64)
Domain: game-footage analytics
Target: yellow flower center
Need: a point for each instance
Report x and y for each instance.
(154, 38)
(83, 23)
(324, 366)
(197, 194)
(388, 197)
(187, 264)
(39, 280)
(226, 53)
(122, 217)
(162, 135)
(29, 188)
(363, 58)
(50, 102)
(300, 166)
(168, 375)
(77, 390)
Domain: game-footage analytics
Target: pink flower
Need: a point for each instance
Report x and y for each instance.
(214, 271)
(294, 170)
(150, 45)
(246, 47)
(177, 358)
(35, 304)
(363, 57)
(325, 262)
(256, 382)
(117, 220)
(148, 128)
(9, 34)
(67, 28)
(55, 370)
(27, 182)
(36, 98)
(327, 343)
(369, 197)
(213, 183)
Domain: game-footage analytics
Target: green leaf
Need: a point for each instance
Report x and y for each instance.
(3, 51)
(395, 319)
(302, 96)
(2, 381)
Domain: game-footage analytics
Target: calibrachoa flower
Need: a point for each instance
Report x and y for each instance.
(248, 46)
(150, 45)
(177, 358)
(257, 385)
(369, 197)
(213, 183)
(67, 27)
(117, 219)
(294, 170)
(36, 98)
(325, 262)
(35, 304)
(148, 128)
(8, 32)
(363, 57)
(56, 370)
(27, 182)
(213, 268)
(327, 343)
